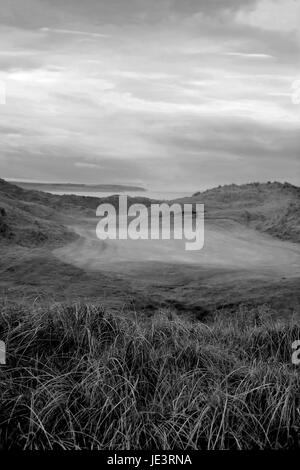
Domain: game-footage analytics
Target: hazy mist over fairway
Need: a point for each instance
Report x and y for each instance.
(183, 94)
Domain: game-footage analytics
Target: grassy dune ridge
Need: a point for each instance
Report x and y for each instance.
(36, 218)
(78, 377)
(271, 207)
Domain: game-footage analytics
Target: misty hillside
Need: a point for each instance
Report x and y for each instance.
(39, 197)
(85, 204)
(249, 192)
(269, 207)
(27, 218)
(34, 217)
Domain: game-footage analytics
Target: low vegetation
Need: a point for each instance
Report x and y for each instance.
(271, 207)
(33, 218)
(78, 377)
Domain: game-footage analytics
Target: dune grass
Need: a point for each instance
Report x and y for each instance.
(78, 377)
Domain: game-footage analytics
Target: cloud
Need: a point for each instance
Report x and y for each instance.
(179, 92)
(247, 55)
(73, 31)
(272, 15)
(134, 75)
(87, 165)
(232, 139)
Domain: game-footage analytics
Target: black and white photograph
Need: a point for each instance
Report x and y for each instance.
(149, 229)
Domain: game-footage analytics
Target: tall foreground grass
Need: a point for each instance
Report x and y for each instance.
(79, 378)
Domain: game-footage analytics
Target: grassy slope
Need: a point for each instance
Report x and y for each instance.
(30, 227)
(79, 378)
(31, 271)
(27, 219)
(32, 218)
(269, 207)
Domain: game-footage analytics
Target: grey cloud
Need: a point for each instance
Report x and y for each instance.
(73, 32)
(19, 62)
(235, 139)
(160, 48)
(32, 13)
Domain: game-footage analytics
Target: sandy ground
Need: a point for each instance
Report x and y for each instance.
(229, 249)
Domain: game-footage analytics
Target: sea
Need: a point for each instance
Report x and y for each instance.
(159, 195)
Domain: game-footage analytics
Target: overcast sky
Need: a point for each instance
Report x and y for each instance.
(174, 94)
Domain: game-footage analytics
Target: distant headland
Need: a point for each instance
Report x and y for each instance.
(78, 187)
